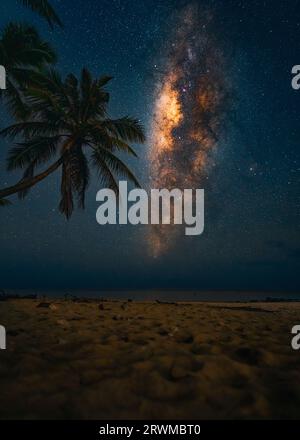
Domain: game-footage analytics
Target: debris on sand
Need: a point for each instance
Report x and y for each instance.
(166, 303)
(5, 297)
(43, 305)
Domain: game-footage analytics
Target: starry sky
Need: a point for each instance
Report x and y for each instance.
(251, 239)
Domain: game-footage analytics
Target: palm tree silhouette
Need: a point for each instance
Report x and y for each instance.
(44, 9)
(22, 52)
(68, 119)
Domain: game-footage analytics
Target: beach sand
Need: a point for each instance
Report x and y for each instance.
(144, 360)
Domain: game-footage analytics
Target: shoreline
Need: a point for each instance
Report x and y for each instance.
(158, 300)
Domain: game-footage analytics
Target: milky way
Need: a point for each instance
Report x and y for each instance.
(191, 98)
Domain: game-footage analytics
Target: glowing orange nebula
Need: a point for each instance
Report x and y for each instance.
(188, 113)
(167, 116)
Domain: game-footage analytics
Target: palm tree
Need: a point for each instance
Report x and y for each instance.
(68, 119)
(22, 52)
(44, 9)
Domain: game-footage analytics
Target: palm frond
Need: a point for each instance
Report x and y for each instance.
(29, 129)
(103, 80)
(14, 99)
(71, 87)
(115, 164)
(38, 150)
(28, 174)
(85, 84)
(44, 9)
(118, 144)
(21, 45)
(127, 129)
(105, 174)
(5, 202)
(100, 136)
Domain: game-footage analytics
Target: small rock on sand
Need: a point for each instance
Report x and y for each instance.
(178, 372)
(53, 307)
(63, 323)
(44, 305)
(251, 356)
(183, 336)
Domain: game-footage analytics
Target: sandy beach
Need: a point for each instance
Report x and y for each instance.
(135, 360)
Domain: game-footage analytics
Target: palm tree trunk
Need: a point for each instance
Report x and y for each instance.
(24, 184)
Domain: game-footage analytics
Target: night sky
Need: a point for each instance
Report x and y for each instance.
(251, 239)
